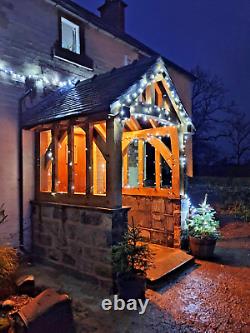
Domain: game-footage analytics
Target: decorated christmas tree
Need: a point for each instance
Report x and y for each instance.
(202, 223)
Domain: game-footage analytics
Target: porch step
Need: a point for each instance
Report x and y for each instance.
(166, 260)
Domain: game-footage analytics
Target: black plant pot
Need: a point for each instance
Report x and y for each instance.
(131, 286)
(202, 248)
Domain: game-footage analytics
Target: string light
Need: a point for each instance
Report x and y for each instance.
(152, 111)
(38, 78)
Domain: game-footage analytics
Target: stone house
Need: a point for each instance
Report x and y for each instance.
(83, 146)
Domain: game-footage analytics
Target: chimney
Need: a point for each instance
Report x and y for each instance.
(113, 13)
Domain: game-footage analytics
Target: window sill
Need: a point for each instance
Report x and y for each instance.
(76, 59)
(153, 192)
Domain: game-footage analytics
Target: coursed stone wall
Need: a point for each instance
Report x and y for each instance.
(78, 239)
(159, 219)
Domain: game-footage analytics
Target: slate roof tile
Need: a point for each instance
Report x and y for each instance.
(88, 96)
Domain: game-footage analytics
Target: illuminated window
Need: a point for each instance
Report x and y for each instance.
(99, 174)
(127, 60)
(46, 158)
(62, 164)
(79, 160)
(99, 162)
(70, 36)
(133, 177)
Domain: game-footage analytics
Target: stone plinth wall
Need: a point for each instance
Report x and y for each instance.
(78, 239)
(158, 218)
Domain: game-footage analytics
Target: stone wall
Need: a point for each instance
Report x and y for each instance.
(78, 239)
(159, 219)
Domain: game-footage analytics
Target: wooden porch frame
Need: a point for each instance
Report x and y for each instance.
(113, 143)
(171, 157)
(110, 145)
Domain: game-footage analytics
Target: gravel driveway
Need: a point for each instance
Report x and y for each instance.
(208, 297)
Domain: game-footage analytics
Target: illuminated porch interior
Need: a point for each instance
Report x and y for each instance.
(126, 140)
(152, 161)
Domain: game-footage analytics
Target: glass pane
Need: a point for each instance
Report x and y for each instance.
(45, 161)
(79, 160)
(70, 36)
(166, 174)
(62, 181)
(167, 142)
(149, 165)
(99, 171)
(133, 164)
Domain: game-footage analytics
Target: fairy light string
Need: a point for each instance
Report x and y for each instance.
(140, 111)
(39, 79)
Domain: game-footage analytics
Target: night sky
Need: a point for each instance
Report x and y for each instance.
(214, 34)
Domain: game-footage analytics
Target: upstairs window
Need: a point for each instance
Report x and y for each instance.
(70, 45)
(70, 36)
(127, 60)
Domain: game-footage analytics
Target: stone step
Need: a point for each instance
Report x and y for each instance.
(166, 261)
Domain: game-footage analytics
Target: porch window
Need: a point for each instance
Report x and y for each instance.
(151, 162)
(99, 161)
(166, 172)
(63, 161)
(149, 165)
(133, 179)
(46, 157)
(79, 160)
(99, 175)
(62, 157)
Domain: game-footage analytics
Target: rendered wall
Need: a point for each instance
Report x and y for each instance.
(28, 31)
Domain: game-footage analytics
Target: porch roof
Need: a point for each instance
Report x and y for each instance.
(88, 96)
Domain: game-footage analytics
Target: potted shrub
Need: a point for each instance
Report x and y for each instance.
(203, 230)
(131, 259)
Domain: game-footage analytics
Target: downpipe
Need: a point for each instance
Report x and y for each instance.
(20, 168)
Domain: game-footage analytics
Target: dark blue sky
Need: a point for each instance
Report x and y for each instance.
(214, 34)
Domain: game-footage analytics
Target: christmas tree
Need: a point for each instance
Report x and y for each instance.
(202, 223)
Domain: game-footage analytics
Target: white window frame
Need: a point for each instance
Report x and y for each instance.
(77, 29)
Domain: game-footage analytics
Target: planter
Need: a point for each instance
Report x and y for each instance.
(131, 286)
(202, 248)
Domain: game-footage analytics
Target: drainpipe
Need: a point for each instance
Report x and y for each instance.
(20, 166)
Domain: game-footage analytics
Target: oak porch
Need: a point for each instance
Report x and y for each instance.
(125, 133)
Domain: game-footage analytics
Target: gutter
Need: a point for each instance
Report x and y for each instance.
(20, 167)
